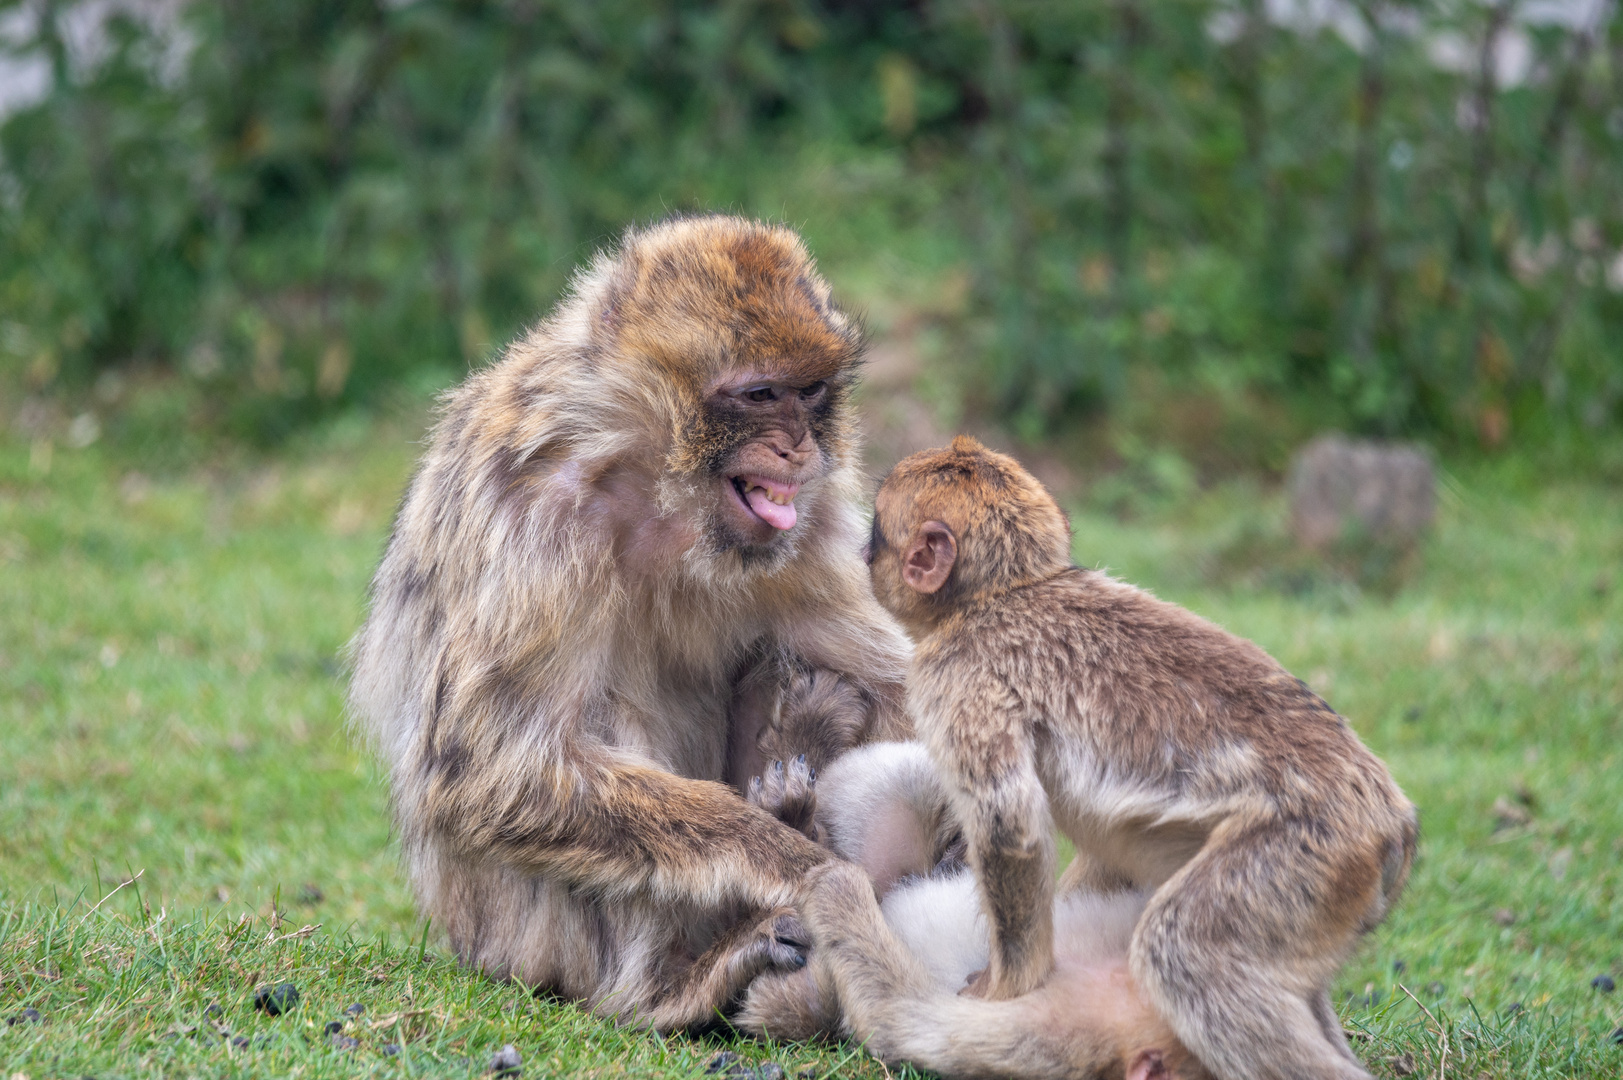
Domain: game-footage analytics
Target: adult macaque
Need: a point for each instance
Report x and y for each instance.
(1180, 760)
(630, 551)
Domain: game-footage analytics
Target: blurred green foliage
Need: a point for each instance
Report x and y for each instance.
(1405, 217)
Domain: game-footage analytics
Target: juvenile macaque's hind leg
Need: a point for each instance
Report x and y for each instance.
(1244, 994)
(789, 793)
(1330, 1023)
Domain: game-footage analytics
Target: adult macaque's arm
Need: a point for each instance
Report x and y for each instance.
(611, 824)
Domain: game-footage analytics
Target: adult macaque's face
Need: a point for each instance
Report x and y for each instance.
(773, 447)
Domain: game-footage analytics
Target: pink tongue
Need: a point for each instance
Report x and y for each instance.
(779, 517)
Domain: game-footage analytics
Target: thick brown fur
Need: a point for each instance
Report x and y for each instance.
(1178, 758)
(574, 597)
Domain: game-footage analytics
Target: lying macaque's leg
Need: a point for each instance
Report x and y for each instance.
(789, 793)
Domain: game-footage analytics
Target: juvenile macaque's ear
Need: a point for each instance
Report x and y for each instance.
(929, 557)
(1147, 1065)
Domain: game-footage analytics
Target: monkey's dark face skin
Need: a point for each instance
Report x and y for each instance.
(765, 438)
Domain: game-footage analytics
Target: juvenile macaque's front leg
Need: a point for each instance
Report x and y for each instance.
(982, 744)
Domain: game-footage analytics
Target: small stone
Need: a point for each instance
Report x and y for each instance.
(310, 894)
(769, 1070)
(1617, 1037)
(27, 1016)
(213, 1012)
(507, 1061)
(1399, 967)
(1504, 916)
(1436, 989)
(725, 1063)
(806, 1072)
(1510, 815)
(276, 1000)
(345, 1042)
(1513, 1008)
(390, 1049)
(1411, 714)
(240, 1042)
(1402, 1064)
(355, 1010)
(1604, 983)
(334, 1027)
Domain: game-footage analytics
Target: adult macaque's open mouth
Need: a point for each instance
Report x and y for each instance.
(770, 500)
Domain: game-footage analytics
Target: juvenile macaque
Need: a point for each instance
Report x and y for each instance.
(630, 554)
(890, 971)
(1180, 760)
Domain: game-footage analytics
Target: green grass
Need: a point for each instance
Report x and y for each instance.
(170, 697)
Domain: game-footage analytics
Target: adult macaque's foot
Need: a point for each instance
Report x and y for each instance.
(788, 793)
(779, 943)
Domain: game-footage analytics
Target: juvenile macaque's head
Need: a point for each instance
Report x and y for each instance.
(956, 524)
(741, 350)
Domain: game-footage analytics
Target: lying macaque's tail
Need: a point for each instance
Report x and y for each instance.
(894, 1008)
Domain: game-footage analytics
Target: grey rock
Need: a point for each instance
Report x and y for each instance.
(725, 1063)
(1343, 489)
(507, 1061)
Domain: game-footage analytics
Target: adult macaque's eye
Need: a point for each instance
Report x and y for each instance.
(760, 393)
(814, 390)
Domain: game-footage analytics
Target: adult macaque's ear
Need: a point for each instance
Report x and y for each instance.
(929, 557)
(1147, 1065)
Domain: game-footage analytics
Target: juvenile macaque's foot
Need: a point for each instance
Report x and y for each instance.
(976, 985)
(788, 793)
(820, 715)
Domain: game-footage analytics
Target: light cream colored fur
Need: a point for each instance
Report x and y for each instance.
(889, 972)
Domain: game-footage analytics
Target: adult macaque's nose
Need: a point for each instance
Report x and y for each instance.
(795, 452)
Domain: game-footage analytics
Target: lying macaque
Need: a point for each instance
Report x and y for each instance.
(890, 970)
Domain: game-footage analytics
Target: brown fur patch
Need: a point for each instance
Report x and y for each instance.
(1176, 756)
